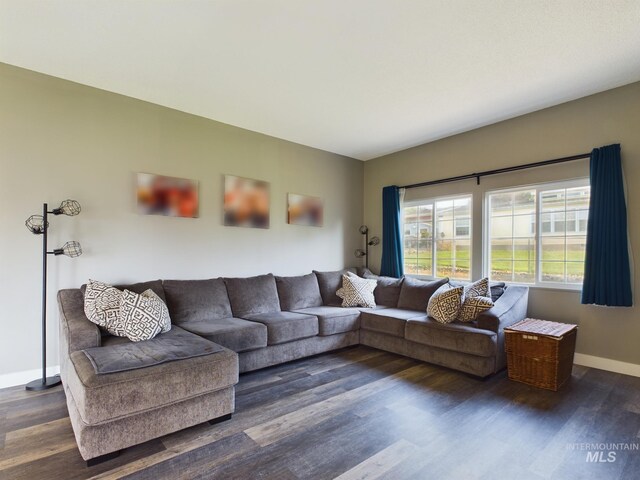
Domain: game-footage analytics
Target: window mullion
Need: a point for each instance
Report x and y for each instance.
(513, 241)
(564, 246)
(434, 235)
(538, 236)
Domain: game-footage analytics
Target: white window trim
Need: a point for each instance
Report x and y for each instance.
(486, 245)
(432, 201)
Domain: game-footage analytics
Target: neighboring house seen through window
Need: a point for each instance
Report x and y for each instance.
(533, 235)
(537, 235)
(437, 237)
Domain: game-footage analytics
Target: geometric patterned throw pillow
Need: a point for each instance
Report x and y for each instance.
(165, 319)
(472, 307)
(357, 292)
(144, 316)
(444, 305)
(478, 289)
(102, 307)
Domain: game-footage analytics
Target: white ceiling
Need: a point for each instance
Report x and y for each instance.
(358, 77)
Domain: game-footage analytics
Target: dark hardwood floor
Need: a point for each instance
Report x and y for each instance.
(355, 414)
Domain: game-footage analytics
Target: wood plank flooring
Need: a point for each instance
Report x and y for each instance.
(358, 413)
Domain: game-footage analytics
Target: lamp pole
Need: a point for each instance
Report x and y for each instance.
(366, 249)
(44, 382)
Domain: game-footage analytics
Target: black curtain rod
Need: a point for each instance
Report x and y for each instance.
(497, 171)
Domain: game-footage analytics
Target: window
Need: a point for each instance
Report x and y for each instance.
(537, 235)
(437, 237)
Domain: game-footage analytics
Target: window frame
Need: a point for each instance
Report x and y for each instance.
(539, 187)
(433, 201)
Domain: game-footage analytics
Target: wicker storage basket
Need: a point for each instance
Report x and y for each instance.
(540, 353)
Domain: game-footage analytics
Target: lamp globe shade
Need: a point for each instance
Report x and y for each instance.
(72, 249)
(70, 207)
(35, 224)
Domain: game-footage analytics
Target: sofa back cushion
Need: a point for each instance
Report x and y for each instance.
(387, 291)
(155, 285)
(496, 290)
(197, 300)
(298, 292)
(415, 294)
(329, 283)
(252, 295)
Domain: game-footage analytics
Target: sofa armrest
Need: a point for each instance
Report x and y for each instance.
(76, 330)
(510, 308)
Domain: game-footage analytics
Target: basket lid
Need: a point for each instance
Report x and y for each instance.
(541, 327)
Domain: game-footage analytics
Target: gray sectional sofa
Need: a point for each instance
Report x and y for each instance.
(121, 393)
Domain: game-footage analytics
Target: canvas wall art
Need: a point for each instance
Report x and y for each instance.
(170, 196)
(304, 210)
(246, 202)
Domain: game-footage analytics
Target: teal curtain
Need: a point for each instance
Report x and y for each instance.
(392, 263)
(607, 277)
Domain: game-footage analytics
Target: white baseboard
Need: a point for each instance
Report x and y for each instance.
(607, 364)
(24, 377)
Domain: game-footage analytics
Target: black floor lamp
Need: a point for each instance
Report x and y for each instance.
(359, 253)
(38, 225)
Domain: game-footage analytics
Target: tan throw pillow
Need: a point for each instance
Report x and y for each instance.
(479, 288)
(472, 307)
(144, 316)
(357, 292)
(444, 305)
(102, 307)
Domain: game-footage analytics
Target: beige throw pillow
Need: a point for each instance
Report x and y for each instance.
(476, 299)
(102, 307)
(479, 288)
(357, 292)
(444, 305)
(472, 307)
(144, 315)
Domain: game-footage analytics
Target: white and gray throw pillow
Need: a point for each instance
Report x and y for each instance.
(479, 288)
(102, 307)
(476, 299)
(444, 305)
(357, 292)
(144, 315)
(472, 307)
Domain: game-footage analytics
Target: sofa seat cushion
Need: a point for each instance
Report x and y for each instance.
(171, 346)
(102, 398)
(284, 327)
(107, 340)
(388, 320)
(233, 333)
(452, 336)
(332, 320)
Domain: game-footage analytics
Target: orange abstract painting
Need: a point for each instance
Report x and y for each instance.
(170, 196)
(246, 202)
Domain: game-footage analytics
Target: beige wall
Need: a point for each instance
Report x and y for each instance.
(62, 140)
(571, 128)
